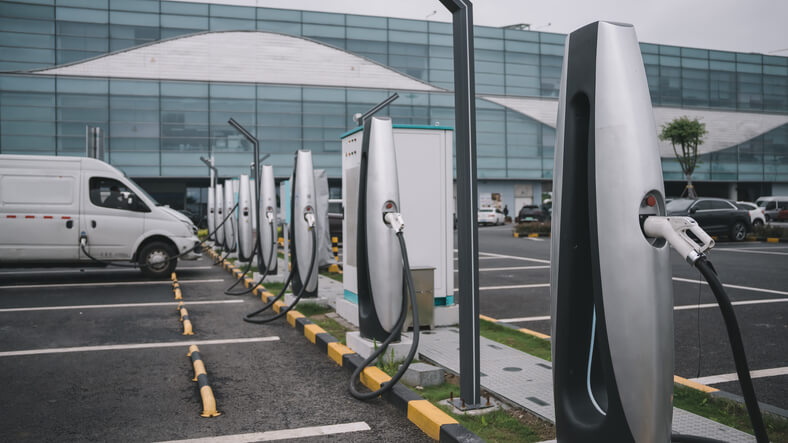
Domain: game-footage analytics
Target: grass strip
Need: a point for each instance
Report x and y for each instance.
(728, 412)
(529, 344)
(332, 275)
(505, 425)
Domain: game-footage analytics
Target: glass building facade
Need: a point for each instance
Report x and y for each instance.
(160, 128)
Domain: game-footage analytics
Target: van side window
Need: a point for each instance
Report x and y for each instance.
(110, 193)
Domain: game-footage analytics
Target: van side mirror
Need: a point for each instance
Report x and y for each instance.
(692, 210)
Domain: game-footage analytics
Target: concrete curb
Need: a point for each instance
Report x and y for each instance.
(437, 424)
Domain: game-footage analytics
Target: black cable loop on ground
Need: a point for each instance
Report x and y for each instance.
(265, 273)
(397, 329)
(282, 313)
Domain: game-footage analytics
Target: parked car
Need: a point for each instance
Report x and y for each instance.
(715, 215)
(772, 206)
(490, 216)
(71, 211)
(757, 217)
(530, 213)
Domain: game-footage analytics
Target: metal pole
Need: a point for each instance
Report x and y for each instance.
(256, 172)
(467, 196)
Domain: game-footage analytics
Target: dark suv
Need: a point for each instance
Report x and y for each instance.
(715, 215)
(530, 213)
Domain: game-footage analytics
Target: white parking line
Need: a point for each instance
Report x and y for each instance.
(312, 431)
(723, 378)
(675, 308)
(137, 346)
(748, 251)
(523, 319)
(490, 288)
(515, 268)
(118, 305)
(119, 283)
(744, 288)
(515, 257)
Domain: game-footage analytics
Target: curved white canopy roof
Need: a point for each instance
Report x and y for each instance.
(244, 56)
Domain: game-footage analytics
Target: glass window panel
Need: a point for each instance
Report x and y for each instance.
(547, 37)
(82, 44)
(670, 86)
(265, 92)
(95, 4)
(184, 8)
(95, 86)
(323, 18)
(669, 50)
(440, 39)
(694, 63)
(323, 31)
(515, 34)
(231, 24)
(19, 39)
(649, 48)
(408, 37)
(775, 70)
(324, 94)
(366, 21)
(722, 66)
(722, 55)
(27, 144)
(29, 55)
(232, 11)
(551, 49)
(694, 53)
(23, 25)
(82, 15)
(749, 58)
(26, 83)
(82, 29)
(407, 25)
(517, 46)
(670, 61)
(135, 5)
(178, 89)
(750, 94)
(488, 43)
(27, 11)
(283, 27)
(232, 91)
(184, 21)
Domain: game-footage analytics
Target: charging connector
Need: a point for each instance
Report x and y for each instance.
(675, 231)
(269, 216)
(395, 221)
(310, 219)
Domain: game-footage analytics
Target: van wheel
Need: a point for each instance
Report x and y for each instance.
(157, 259)
(738, 231)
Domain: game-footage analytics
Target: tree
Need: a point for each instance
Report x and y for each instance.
(687, 134)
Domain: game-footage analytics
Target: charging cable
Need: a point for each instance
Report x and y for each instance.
(675, 231)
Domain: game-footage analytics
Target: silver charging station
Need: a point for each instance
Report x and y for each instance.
(219, 214)
(230, 224)
(245, 243)
(303, 205)
(268, 221)
(610, 286)
(380, 273)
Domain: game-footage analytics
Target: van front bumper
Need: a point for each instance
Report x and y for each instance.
(188, 246)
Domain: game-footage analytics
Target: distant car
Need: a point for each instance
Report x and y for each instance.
(757, 217)
(490, 216)
(772, 206)
(715, 215)
(530, 213)
(782, 215)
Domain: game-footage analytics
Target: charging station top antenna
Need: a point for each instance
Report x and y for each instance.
(467, 195)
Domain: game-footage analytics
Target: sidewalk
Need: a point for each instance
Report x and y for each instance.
(526, 381)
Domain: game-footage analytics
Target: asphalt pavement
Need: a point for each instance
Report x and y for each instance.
(266, 378)
(514, 287)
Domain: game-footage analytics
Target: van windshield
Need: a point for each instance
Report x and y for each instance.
(139, 190)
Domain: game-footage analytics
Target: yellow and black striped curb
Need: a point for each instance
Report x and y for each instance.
(335, 248)
(176, 287)
(530, 235)
(201, 377)
(676, 379)
(187, 324)
(437, 424)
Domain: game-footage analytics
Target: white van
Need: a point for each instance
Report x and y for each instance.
(49, 205)
(772, 205)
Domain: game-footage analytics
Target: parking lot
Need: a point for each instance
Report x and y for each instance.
(98, 355)
(514, 287)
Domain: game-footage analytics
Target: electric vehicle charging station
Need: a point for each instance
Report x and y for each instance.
(303, 221)
(268, 221)
(425, 152)
(211, 206)
(245, 240)
(611, 279)
(229, 208)
(219, 215)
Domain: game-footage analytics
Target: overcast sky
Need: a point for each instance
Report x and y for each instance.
(733, 25)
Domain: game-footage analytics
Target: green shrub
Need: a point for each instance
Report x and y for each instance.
(541, 228)
(770, 231)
